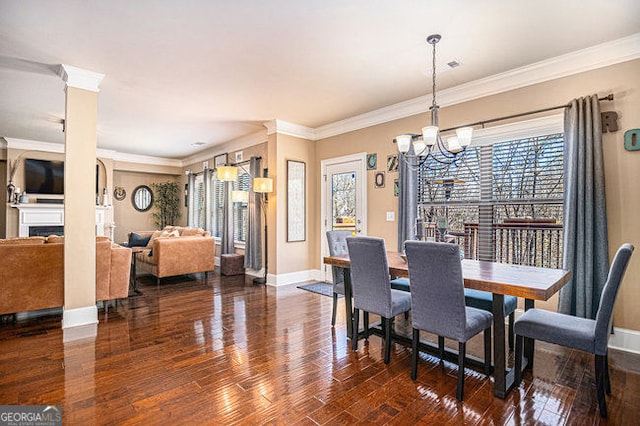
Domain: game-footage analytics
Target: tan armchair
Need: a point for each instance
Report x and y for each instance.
(33, 274)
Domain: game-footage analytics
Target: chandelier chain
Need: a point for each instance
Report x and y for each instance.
(433, 73)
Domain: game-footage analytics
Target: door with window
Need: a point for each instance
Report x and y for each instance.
(344, 199)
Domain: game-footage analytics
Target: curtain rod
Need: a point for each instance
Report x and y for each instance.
(609, 97)
(245, 161)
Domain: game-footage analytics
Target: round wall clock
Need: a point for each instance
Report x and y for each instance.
(119, 193)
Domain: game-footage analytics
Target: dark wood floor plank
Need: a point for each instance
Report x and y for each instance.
(227, 352)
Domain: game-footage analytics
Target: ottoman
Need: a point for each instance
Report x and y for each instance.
(232, 264)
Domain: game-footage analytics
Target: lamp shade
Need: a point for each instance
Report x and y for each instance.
(404, 142)
(240, 196)
(227, 173)
(429, 135)
(419, 147)
(262, 185)
(454, 144)
(464, 136)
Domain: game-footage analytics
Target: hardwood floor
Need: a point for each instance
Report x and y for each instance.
(225, 351)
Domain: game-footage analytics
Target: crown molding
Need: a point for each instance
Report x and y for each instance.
(146, 159)
(106, 153)
(601, 55)
(80, 78)
(291, 129)
(29, 145)
(58, 148)
(233, 145)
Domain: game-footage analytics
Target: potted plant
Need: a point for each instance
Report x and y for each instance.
(166, 203)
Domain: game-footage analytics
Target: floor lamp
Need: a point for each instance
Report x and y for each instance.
(263, 186)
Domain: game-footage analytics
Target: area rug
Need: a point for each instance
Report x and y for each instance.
(326, 289)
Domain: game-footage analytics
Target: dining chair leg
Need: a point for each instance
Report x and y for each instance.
(599, 367)
(607, 381)
(365, 320)
(354, 339)
(461, 354)
(487, 351)
(441, 347)
(512, 318)
(529, 353)
(415, 344)
(335, 308)
(387, 340)
(517, 363)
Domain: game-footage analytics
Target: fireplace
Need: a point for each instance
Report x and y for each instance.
(45, 231)
(38, 219)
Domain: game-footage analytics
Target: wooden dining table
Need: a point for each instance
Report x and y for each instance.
(500, 279)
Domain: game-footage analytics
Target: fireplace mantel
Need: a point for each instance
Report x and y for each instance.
(53, 215)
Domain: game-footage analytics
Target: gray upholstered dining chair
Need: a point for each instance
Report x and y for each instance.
(484, 300)
(578, 333)
(438, 305)
(476, 299)
(337, 245)
(372, 292)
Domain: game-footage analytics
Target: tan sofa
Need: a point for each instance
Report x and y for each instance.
(32, 275)
(176, 251)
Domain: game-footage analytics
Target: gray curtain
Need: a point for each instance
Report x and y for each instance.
(208, 181)
(191, 180)
(407, 198)
(227, 221)
(585, 249)
(253, 244)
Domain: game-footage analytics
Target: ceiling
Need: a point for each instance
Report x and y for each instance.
(181, 72)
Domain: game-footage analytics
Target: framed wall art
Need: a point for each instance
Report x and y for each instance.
(372, 161)
(220, 160)
(119, 193)
(378, 179)
(296, 201)
(392, 163)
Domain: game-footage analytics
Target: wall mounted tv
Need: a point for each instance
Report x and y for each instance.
(44, 176)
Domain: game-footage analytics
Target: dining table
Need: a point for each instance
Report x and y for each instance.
(528, 282)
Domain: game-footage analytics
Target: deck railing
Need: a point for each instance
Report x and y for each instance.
(520, 242)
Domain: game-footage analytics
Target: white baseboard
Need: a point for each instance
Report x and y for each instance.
(625, 340)
(294, 277)
(79, 316)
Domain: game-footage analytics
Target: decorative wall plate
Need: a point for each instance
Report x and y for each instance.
(119, 193)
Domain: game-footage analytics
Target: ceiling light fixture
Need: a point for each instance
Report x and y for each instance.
(429, 145)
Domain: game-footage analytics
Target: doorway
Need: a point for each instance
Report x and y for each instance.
(344, 199)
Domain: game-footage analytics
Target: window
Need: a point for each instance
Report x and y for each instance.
(503, 201)
(217, 206)
(240, 210)
(198, 209)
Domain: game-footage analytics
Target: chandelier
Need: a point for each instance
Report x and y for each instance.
(429, 144)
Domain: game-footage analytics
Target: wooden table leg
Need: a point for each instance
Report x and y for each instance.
(529, 347)
(500, 385)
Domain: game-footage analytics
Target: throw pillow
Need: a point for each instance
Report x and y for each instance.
(163, 234)
(155, 235)
(188, 232)
(136, 240)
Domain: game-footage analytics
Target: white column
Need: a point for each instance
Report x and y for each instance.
(81, 115)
